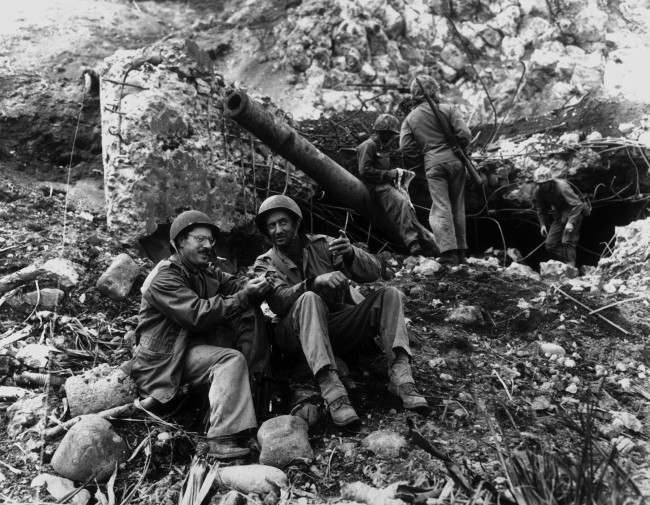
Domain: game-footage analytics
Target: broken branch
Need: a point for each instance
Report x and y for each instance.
(577, 302)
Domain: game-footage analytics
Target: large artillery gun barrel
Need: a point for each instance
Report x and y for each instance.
(341, 187)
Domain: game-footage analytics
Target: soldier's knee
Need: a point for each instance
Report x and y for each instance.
(393, 294)
(309, 298)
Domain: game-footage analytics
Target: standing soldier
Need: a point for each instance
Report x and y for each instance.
(198, 326)
(383, 182)
(310, 277)
(560, 210)
(423, 134)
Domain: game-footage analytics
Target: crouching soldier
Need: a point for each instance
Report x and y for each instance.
(197, 326)
(560, 210)
(310, 294)
(382, 181)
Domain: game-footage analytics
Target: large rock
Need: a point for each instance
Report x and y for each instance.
(44, 299)
(284, 440)
(100, 388)
(91, 449)
(58, 272)
(118, 279)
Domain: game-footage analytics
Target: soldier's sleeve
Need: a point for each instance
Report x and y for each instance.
(368, 172)
(460, 128)
(282, 296)
(229, 284)
(572, 200)
(407, 142)
(542, 209)
(171, 295)
(364, 267)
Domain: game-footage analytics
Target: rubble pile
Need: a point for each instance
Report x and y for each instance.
(626, 269)
(533, 57)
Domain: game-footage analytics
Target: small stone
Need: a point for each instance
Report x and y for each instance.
(65, 271)
(118, 279)
(35, 355)
(367, 72)
(233, 498)
(25, 413)
(60, 487)
(416, 292)
(550, 349)
(284, 440)
(90, 449)
(556, 271)
(467, 315)
(521, 270)
(571, 388)
(427, 267)
(385, 443)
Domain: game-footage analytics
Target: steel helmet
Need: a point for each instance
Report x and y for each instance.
(387, 123)
(190, 218)
(429, 84)
(276, 202)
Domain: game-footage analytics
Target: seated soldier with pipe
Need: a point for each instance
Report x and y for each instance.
(384, 184)
(310, 293)
(199, 326)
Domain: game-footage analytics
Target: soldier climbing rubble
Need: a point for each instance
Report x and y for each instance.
(319, 316)
(424, 134)
(200, 326)
(560, 210)
(385, 187)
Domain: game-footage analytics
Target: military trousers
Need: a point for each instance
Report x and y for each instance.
(317, 332)
(447, 216)
(561, 245)
(225, 371)
(397, 208)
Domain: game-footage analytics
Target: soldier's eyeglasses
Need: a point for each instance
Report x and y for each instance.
(202, 238)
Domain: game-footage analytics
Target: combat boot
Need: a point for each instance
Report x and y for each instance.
(402, 384)
(336, 399)
(462, 256)
(448, 258)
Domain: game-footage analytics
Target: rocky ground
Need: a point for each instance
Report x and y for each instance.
(524, 383)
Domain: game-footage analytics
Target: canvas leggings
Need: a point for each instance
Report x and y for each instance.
(312, 329)
(447, 216)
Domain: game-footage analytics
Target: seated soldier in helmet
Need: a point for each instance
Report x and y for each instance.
(310, 293)
(373, 156)
(197, 325)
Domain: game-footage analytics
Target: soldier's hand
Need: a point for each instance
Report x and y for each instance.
(568, 228)
(342, 247)
(543, 231)
(331, 280)
(393, 175)
(256, 289)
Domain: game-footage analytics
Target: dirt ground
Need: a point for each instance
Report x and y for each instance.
(496, 398)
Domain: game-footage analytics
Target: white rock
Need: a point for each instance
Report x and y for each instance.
(385, 443)
(427, 267)
(59, 487)
(466, 315)
(569, 138)
(595, 135)
(629, 421)
(521, 270)
(35, 355)
(551, 349)
(65, 271)
(556, 271)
